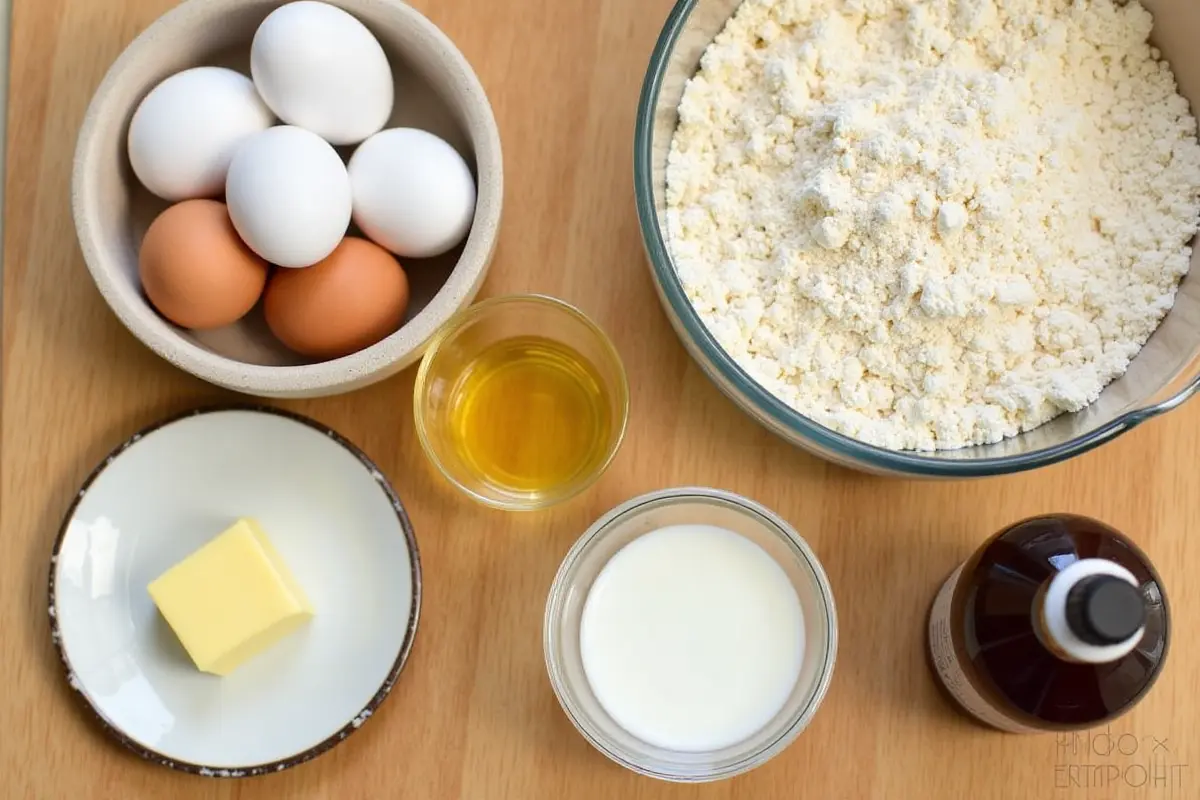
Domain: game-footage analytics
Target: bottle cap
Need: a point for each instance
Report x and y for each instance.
(1093, 612)
(1103, 609)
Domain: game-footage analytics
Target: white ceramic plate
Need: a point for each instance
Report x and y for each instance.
(169, 489)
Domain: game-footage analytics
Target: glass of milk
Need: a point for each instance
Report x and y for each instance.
(690, 634)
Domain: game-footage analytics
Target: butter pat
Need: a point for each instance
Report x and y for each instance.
(231, 599)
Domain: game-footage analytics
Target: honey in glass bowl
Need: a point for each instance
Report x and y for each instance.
(529, 414)
(521, 401)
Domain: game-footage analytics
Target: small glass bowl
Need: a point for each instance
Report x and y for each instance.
(601, 542)
(463, 338)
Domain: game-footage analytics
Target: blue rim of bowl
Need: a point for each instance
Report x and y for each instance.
(329, 742)
(744, 505)
(746, 393)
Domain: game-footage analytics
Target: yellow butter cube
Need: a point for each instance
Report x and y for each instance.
(231, 599)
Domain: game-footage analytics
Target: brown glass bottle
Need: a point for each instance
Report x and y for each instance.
(1056, 623)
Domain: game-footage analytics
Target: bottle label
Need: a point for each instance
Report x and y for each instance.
(950, 671)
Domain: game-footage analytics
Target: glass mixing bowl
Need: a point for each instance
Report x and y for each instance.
(1163, 375)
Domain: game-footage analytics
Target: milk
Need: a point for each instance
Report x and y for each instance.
(692, 638)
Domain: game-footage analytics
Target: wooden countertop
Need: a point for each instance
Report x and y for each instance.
(473, 715)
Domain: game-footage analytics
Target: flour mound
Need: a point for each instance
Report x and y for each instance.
(929, 224)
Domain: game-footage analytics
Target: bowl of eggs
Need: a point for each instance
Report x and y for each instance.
(288, 199)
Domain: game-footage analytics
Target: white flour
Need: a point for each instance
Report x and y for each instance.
(933, 223)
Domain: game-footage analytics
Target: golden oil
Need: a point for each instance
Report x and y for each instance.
(530, 414)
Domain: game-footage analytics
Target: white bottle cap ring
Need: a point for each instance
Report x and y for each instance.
(1058, 622)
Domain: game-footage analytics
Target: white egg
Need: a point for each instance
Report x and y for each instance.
(413, 193)
(321, 69)
(288, 196)
(185, 131)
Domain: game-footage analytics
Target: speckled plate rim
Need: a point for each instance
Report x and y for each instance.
(358, 719)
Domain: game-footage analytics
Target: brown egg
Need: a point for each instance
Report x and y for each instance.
(195, 268)
(351, 300)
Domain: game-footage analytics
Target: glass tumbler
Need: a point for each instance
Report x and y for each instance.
(458, 345)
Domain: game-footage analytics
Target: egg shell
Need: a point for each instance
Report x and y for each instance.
(195, 269)
(349, 301)
(320, 68)
(288, 196)
(185, 131)
(413, 193)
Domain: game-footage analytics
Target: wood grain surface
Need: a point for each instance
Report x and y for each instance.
(473, 716)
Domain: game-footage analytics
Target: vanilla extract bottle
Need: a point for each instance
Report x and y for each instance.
(1056, 623)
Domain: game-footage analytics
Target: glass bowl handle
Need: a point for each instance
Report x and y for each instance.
(1172, 395)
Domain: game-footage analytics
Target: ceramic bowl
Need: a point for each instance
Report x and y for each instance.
(436, 90)
(336, 523)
